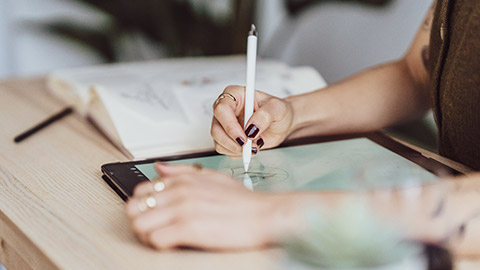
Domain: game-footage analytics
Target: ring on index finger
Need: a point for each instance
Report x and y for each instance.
(224, 95)
(147, 202)
(158, 185)
(150, 202)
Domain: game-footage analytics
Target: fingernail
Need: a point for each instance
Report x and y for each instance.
(260, 143)
(240, 141)
(252, 131)
(254, 150)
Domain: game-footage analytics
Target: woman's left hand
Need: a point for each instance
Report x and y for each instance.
(201, 208)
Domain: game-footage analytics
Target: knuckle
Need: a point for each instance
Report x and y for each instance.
(282, 105)
(264, 117)
(231, 88)
(278, 103)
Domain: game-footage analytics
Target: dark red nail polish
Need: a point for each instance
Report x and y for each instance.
(240, 141)
(252, 131)
(260, 143)
(254, 150)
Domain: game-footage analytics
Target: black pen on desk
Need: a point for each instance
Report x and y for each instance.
(43, 124)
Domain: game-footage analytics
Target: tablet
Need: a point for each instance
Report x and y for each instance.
(326, 163)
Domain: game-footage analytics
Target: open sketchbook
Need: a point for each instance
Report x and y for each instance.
(164, 107)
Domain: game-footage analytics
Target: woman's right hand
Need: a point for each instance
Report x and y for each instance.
(269, 125)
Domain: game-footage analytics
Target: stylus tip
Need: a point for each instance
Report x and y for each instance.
(247, 182)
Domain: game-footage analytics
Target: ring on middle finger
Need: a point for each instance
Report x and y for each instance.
(150, 202)
(159, 185)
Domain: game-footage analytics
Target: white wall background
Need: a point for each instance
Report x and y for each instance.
(25, 51)
(5, 61)
(336, 38)
(339, 39)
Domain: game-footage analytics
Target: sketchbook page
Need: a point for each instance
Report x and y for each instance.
(152, 102)
(196, 98)
(99, 116)
(183, 93)
(143, 138)
(73, 85)
(146, 87)
(160, 109)
(164, 107)
(195, 90)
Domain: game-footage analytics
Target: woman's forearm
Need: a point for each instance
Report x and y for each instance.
(455, 202)
(376, 98)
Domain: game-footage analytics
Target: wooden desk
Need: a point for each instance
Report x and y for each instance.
(56, 211)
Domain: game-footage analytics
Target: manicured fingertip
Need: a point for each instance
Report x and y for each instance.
(161, 168)
(160, 164)
(260, 143)
(240, 141)
(252, 131)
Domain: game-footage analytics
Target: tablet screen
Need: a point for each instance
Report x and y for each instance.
(346, 164)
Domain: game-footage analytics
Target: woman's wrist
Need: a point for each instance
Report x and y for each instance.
(310, 111)
(288, 212)
(296, 103)
(282, 219)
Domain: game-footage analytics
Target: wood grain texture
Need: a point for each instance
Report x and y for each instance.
(57, 213)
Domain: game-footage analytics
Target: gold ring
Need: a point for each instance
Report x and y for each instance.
(197, 166)
(150, 202)
(159, 185)
(147, 202)
(224, 95)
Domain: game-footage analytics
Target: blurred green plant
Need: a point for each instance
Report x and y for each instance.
(160, 27)
(146, 29)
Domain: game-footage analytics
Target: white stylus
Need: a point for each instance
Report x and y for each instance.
(250, 91)
(247, 181)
